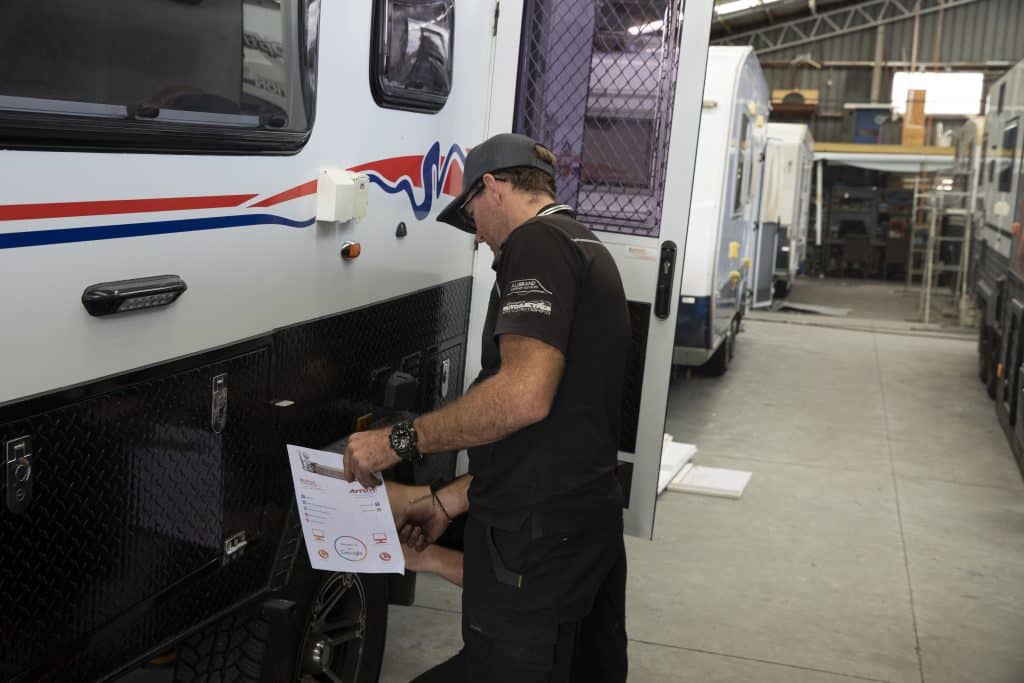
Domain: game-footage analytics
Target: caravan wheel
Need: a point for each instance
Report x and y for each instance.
(718, 364)
(344, 639)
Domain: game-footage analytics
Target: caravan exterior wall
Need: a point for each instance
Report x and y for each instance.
(998, 265)
(969, 142)
(789, 160)
(724, 211)
(144, 449)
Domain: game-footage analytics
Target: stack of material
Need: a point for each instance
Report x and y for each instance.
(710, 481)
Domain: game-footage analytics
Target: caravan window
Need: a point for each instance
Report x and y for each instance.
(412, 53)
(619, 151)
(1008, 156)
(984, 159)
(741, 165)
(158, 75)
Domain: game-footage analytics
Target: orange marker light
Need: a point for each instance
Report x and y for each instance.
(351, 250)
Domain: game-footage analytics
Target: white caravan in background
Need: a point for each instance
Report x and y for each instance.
(724, 214)
(785, 208)
(217, 237)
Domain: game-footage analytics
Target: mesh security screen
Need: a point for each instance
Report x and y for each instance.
(596, 84)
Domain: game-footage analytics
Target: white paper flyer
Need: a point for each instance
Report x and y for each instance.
(348, 528)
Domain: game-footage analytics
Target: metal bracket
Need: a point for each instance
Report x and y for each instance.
(234, 545)
(446, 369)
(18, 458)
(219, 403)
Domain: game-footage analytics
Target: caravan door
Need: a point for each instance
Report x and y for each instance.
(604, 86)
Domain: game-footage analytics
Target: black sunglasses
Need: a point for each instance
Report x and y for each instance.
(474, 191)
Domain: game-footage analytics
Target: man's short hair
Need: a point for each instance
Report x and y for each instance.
(532, 180)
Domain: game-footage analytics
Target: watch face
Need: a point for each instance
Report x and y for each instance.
(401, 441)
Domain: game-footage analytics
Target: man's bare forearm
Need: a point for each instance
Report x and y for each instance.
(484, 415)
(455, 496)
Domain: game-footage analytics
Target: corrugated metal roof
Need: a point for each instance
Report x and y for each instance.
(983, 31)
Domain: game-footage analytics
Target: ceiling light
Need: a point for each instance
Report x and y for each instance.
(650, 27)
(740, 5)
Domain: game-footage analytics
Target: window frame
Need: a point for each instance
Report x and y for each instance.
(28, 130)
(984, 158)
(1007, 171)
(604, 121)
(385, 95)
(740, 196)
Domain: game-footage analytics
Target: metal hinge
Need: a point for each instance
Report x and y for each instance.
(234, 545)
(219, 403)
(446, 371)
(18, 458)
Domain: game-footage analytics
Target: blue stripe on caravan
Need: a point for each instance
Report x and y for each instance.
(14, 240)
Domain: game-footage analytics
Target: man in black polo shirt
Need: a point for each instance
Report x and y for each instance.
(544, 572)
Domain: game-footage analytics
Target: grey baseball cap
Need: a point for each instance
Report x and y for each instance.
(506, 150)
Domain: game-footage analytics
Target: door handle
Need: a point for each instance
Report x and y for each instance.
(666, 271)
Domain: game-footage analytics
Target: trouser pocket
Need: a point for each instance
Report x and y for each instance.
(502, 573)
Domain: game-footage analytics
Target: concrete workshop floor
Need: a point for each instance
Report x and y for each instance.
(873, 299)
(881, 537)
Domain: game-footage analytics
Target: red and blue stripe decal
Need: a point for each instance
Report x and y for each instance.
(34, 238)
(431, 173)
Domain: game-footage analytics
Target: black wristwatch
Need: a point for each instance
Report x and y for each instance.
(404, 442)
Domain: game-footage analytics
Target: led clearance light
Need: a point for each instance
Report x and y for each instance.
(740, 5)
(123, 296)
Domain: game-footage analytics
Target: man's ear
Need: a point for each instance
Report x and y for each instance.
(492, 184)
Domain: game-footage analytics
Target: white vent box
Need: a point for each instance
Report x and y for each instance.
(341, 195)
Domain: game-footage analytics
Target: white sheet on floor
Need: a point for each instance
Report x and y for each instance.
(674, 457)
(710, 481)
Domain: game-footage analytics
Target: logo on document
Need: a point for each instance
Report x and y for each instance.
(386, 557)
(323, 554)
(350, 548)
(380, 538)
(318, 535)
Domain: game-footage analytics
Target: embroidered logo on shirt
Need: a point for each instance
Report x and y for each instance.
(542, 307)
(528, 286)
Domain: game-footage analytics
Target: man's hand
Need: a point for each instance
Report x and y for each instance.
(424, 522)
(367, 454)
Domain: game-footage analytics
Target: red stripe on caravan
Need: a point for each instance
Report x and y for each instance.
(453, 183)
(21, 212)
(396, 167)
(302, 190)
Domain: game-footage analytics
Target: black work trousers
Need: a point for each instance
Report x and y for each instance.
(548, 609)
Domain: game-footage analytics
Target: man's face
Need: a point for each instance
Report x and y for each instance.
(482, 210)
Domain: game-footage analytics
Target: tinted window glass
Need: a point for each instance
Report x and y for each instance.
(1007, 156)
(413, 53)
(741, 164)
(984, 158)
(224, 63)
(617, 151)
